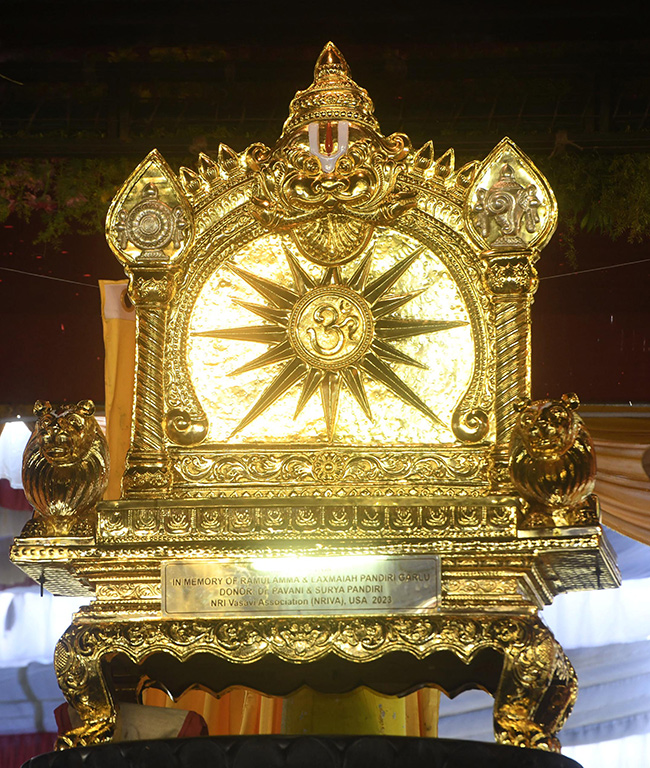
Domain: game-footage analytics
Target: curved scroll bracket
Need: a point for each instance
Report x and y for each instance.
(537, 690)
(183, 429)
(470, 426)
(534, 696)
(78, 667)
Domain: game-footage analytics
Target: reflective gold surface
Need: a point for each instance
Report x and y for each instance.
(155, 223)
(333, 360)
(331, 327)
(533, 659)
(552, 461)
(226, 396)
(65, 469)
(511, 203)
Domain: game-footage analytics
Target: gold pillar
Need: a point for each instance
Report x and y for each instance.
(511, 280)
(147, 464)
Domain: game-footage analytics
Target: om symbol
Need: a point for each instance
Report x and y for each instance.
(331, 327)
(335, 323)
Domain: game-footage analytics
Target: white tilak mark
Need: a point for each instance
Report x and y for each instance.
(328, 162)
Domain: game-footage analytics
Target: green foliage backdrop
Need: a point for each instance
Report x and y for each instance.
(609, 194)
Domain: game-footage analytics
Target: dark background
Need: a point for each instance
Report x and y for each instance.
(113, 80)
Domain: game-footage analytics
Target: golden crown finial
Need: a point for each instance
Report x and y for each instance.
(331, 65)
(332, 96)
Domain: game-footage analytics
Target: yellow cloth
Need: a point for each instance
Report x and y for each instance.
(362, 712)
(238, 711)
(118, 323)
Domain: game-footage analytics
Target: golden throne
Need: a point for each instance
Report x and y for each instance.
(335, 476)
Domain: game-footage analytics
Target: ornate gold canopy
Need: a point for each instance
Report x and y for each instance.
(364, 261)
(333, 359)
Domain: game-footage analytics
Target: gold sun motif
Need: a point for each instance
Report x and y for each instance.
(331, 333)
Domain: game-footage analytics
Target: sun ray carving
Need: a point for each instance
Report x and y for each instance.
(332, 333)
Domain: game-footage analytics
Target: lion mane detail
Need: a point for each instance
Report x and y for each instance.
(65, 467)
(552, 462)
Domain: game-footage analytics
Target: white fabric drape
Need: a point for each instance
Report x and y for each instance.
(30, 625)
(629, 752)
(13, 439)
(587, 619)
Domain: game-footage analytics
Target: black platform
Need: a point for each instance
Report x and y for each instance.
(301, 752)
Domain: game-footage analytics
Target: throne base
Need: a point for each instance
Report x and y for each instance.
(302, 752)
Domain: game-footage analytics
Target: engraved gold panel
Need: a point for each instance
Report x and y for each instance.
(448, 354)
(149, 219)
(534, 662)
(328, 520)
(511, 205)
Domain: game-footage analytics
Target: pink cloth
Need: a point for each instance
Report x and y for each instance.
(18, 748)
(13, 498)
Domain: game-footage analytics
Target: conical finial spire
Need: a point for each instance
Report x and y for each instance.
(332, 96)
(330, 65)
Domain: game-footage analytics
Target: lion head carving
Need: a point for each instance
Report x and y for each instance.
(552, 462)
(548, 428)
(65, 466)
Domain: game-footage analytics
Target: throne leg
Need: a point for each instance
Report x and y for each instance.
(79, 671)
(537, 690)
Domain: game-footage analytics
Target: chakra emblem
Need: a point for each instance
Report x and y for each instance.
(331, 333)
(328, 466)
(151, 224)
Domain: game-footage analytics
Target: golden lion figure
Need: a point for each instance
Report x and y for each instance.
(65, 469)
(552, 461)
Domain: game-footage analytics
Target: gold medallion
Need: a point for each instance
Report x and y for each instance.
(331, 327)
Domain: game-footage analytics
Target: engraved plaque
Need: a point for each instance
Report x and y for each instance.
(290, 586)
